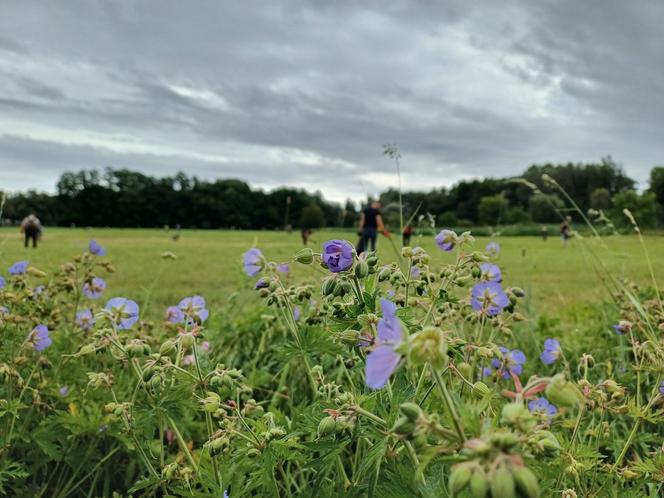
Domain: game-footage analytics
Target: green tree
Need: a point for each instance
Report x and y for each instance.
(492, 209)
(600, 198)
(643, 207)
(543, 208)
(312, 217)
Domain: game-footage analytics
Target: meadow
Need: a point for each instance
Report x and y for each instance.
(444, 370)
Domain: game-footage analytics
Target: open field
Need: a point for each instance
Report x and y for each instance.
(209, 263)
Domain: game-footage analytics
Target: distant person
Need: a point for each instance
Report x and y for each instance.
(306, 233)
(32, 229)
(566, 230)
(371, 222)
(407, 232)
(544, 230)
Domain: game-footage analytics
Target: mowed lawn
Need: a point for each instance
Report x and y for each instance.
(209, 264)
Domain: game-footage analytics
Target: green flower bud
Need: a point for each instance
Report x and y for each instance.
(465, 369)
(349, 336)
(561, 392)
(526, 482)
(384, 274)
(167, 347)
(411, 411)
(516, 415)
(502, 484)
(187, 340)
(87, 349)
(476, 272)
(305, 256)
(327, 426)
(459, 478)
(481, 389)
(403, 427)
(518, 291)
(372, 261)
(211, 402)
(361, 269)
(329, 286)
(479, 484)
(504, 440)
(428, 345)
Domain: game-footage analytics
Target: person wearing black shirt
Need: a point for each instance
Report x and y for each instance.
(371, 222)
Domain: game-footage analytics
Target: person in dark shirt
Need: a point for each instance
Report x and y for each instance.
(371, 222)
(407, 232)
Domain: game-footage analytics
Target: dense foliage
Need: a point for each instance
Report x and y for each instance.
(122, 198)
(390, 379)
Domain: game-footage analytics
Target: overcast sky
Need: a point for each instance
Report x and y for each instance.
(306, 93)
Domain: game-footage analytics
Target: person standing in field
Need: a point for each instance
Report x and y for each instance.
(566, 230)
(407, 232)
(371, 222)
(31, 228)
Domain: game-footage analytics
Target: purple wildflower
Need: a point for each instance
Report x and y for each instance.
(2, 282)
(94, 289)
(446, 240)
(337, 255)
(39, 289)
(493, 248)
(18, 268)
(551, 351)
(123, 311)
(64, 391)
(174, 315)
(542, 406)
(415, 272)
(3, 310)
(85, 319)
(194, 307)
(39, 338)
(296, 313)
(491, 272)
(622, 327)
(510, 362)
(188, 359)
(205, 346)
(253, 261)
(383, 360)
(283, 268)
(661, 388)
(95, 248)
(488, 297)
(261, 283)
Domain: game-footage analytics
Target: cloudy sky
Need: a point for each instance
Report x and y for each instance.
(305, 93)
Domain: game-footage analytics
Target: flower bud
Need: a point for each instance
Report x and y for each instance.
(87, 349)
(411, 411)
(504, 440)
(349, 336)
(372, 261)
(561, 392)
(459, 478)
(167, 347)
(479, 484)
(481, 389)
(211, 402)
(428, 345)
(403, 427)
(526, 482)
(361, 269)
(35, 272)
(465, 369)
(502, 484)
(329, 286)
(305, 256)
(327, 426)
(187, 340)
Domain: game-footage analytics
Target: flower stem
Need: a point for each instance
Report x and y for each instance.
(449, 404)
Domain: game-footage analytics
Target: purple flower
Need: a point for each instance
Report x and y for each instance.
(337, 255)
(18, 268)
(383, 360)
(283, 268)
(205, 346)
(39, 338)
(174, 315)
(415, 272)
(622, 327)
(2, 282)
(542, 406)
(123, 311)
(491, 272)
(85, 319)
(194, 307)
(94, 289)
(296, 313)
(446, 240)
(188, 359)
(39, 289)
(64, 391)
(3, 310)
(96, 249)
(253, 261)
(488, 297)
(551, 351)
(661, 387)
(510, 362)
(493, 248)
(261, 283)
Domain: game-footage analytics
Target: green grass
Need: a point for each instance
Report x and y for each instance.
(209, 263)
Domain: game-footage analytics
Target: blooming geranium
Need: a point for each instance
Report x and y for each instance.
(64, 391)
(296, 313)
(383, 360)
(510, 363)
(18, 268)
(174, 315)
(194, 307)
(446, 240)
(96, 249)
(95, 288)
(493, 248)
(85, 319)
(123, 312)
(542, 406)
(39, 337)
(415, 272)
(622, 327)
(337, 255)
(253, 261)
(489, 298)
(491, 272)
(283, 268)
(2, 282)
(261, 283)
(551, 351)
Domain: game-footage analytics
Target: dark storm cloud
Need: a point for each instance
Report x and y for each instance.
(306, 93)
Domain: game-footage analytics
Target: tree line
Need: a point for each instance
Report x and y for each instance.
(124, 198)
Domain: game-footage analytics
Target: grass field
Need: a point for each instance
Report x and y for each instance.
(556, 279)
